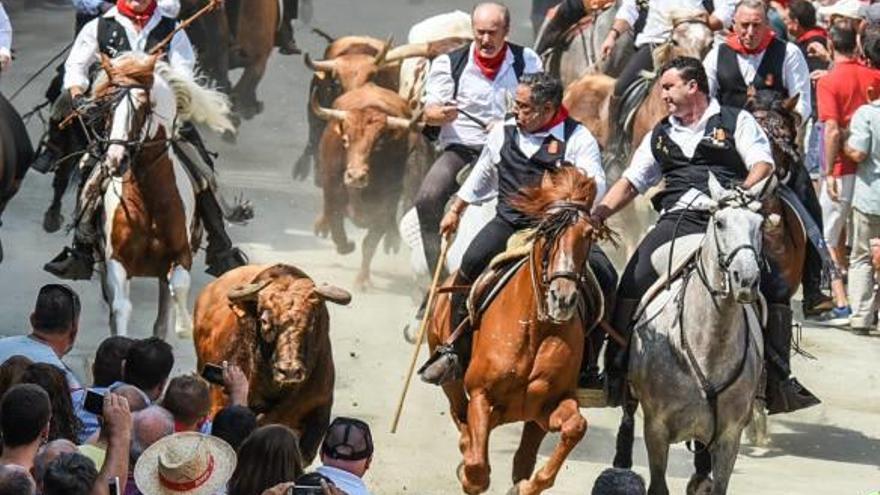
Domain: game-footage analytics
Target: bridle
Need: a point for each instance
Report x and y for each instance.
(560, 215)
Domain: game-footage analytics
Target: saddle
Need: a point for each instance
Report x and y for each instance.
(504, 265)
(630, 101)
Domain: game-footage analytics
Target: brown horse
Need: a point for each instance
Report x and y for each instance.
(16, 154)
(528, 343)
(149, 228)
(257, 24)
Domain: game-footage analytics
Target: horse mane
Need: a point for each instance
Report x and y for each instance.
(667, 51)
(566, 183)
(778, 122)
(196, 102)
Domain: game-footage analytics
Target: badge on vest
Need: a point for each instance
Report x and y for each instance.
(718, 138)
(768, 80)
(553, 147)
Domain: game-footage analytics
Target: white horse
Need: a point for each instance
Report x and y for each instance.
(697, 352)
(149, 227)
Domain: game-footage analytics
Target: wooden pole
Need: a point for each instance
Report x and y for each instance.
(432, 293)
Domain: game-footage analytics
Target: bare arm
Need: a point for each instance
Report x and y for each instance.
(621, 194)
(854, 154)
(117, 420)
(758, 172)
(449, 223)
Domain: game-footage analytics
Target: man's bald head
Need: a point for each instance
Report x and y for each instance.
(491, 24)
(137, 400)
(49, 453)
(150, 425)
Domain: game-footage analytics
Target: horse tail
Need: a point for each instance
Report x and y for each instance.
(196, 102)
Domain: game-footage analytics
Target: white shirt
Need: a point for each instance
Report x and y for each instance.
(168, 8)
(85, 49)
(644, 171)
(658, 24)
(479, 96)
(582, 150)
(795, 74)
(5, 33)
(345, 481)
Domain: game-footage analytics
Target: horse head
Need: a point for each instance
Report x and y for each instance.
(560, 206)
(360, 131)
(733, 238)
(775, 113)
(691, 36)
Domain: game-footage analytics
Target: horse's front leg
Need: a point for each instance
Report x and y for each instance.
(165, 314)
(475, 471)
(245, 93)
(116, 286)
(567, 420)
(657, 444)
(179, 283)
(724, 454)
(527, 452)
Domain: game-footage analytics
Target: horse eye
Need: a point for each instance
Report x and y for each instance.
(719, 223)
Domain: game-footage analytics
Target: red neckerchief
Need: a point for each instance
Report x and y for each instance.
(490, 66)
(816, 31)
(733, 42)
(558, 118)
(139, 19)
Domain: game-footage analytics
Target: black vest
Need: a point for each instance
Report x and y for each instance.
(731, 85)
(112, 39)
(517, 171)
(715, 153)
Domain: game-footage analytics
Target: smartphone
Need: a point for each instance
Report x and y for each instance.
(213, 373)
(94, 402)
(114, 486)
(305, 490)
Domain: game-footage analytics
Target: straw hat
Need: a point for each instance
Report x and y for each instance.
(185, 463)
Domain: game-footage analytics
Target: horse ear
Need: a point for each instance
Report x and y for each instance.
(716, 190)
(106, 65)
(790, 103)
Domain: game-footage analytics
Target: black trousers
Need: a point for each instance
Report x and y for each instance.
(641, 60)
(800, 183)
(639, 274)
(437, 187)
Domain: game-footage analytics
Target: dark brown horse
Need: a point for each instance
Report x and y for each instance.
(257, 24)
(16, 154)
(528, 343)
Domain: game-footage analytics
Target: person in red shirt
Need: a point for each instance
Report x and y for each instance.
(839, 94)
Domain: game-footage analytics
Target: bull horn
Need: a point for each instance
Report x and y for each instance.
(333, 294)
(325, 113)
(319, 65)
(413, 123)
(383, 52)
(409, 50)
(247, 292)
(431, 49)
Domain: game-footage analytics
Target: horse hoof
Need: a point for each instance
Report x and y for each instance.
(699, 485)
(514, 490)
(52, 219)
(345, 248)
(230, 137)
(362, 284)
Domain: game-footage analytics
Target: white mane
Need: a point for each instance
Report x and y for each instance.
(197, 103)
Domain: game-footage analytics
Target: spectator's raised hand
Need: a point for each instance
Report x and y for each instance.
(117, 417)
(236, 384)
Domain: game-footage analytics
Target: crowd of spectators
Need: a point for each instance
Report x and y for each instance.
(149, 433)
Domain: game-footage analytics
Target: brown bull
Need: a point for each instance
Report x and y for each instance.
(362, 157)
(351, 62)
(272, 321)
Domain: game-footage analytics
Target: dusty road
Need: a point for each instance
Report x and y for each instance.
(831, 449)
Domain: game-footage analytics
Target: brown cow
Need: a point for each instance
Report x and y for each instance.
(271, 321)
(362, 159)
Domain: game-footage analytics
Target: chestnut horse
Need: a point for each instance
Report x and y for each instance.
(149, 228)
(257, 23)
(588, 100)
(527, 345)
(16, 154)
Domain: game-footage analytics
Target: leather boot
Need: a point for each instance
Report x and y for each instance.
(73, 263)
(284, 38)
(784, 392)
(567, 15)
(220, 255)
(617, 359)
(449, 361)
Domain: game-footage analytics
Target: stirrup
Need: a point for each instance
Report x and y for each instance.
(443, 366)
(220, 263)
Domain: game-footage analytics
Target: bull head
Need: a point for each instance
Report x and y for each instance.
(286, 310)
(359, 131)
(352, 70)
